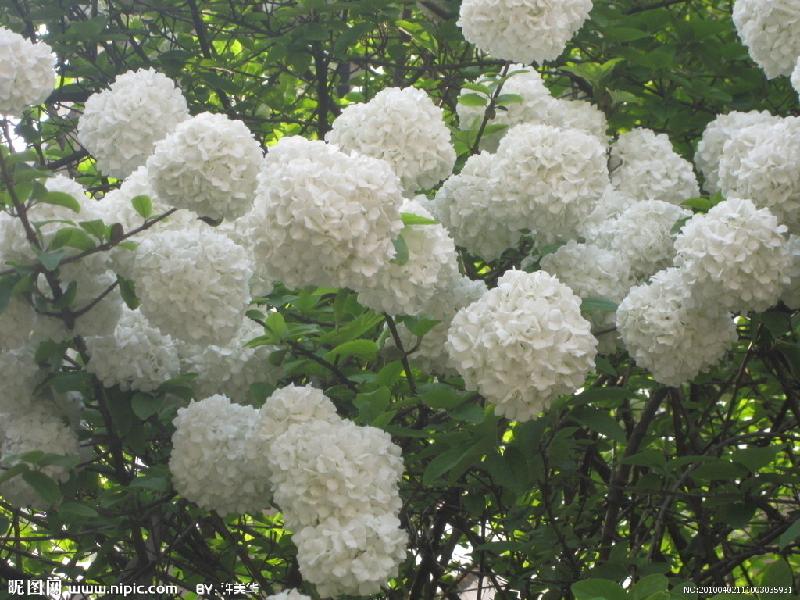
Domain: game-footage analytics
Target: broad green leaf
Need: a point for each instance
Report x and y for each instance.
(589, 589)
(601, 422)
(143, 205)
(43, 485)
(363, 349)
(61, 199)
(412, 219)
(76, 511)
(473, 100)
(401, 250)
(145, 405)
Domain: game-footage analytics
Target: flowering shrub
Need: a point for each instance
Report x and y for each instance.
(479, 299)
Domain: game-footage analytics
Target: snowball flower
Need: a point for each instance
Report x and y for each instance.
(467, 205)
(323, 469)
(20, 376)
(17, 321)
(590, 270)
(404, 128)
(230, 369)
(351, 557)
(771, 31)
(530, 31)
(193, 284)
(328, 218)
(211, 459)
(642, 234)
(645, 166)
(428, 353)
(137, 356)
(549, 179)
(37, 429)
(736, 254)
(289, 595)
(121, 125)
(608, 207)
(209, 164)
(26, 73)
(291, 405)
(667, 333)
(717, 132)
(523, 343)
(405, 289)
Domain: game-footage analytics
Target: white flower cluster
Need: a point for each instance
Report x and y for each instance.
(37, 429)
(230, 369)
(137, 356)
(795, 78)
(121, 125)
(405, 289)
(735, 255)
(771, 31)
(289, 595)
(26, 73)
(523, 343)
(549, 179)
(209, 164)
(211, 460)
(645, 166)
(642, 234)
(760, 163)
(530, 31)
(193, 284)
(590, 271)
(608, 207)
(666, 332)
(717, 132)
(468, 206)
(404, 128)
(328, 218)
(20, 376)
(336, 484)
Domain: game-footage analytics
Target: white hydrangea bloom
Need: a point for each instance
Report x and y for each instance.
(717, 132)
(766, 159)
(405, 289)
(467, 205)
(354, 557)
(116, 206)
(20, 376)
(211, 459)
(452, 295)
(580, 115)
(329, 218)
(404, 128)
(549, 179)
(523, 343)
(17, 321)
(645, 166)
(590, 270)
(26, 73)
(736, 254)
(428, 353)
(193, 284)
(610, 205)
(771, 31)
(643, 235)
(795, 78)
(530, 31)
(232, 368)
(289, 595)
(323, 469)
(292, 405)
(209, 164)
(668, 333)
(137, 356)
(121, 125)
(791, 293)
(36, 429)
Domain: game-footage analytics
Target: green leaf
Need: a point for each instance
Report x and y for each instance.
(598, 305)
(145, 405)
(589, 589)
(648, 586)
(505, 99)
(7, 285)
(441, 396)
(75, 511)
(96, 228)
(50, 260)
(43, 485)
(442, 464)
(363, 349)
(276, 324)
(143, 205)
(419, 326)
(790, 535)
(61, 199)
(473, 100)
(127, 290)
(601, 422)
(624, 34)
(778, 574)
(372, 404)
(754, 458)
(401, 250)
(412, 219)
(72, 237)
(646, 458)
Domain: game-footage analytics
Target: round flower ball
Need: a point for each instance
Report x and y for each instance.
(645, 166)
(549, 179)
(137, 356)
(468, 206)
(530, 31)
(771, 31)
(404, 128)
(20, 376)
(193, 284)
(328, 218)
(610, 205)
(121, 125)
(643, 234)
(667, 332)
(26, 73)
(292, 594)
(523, 343)
(353, 557)
(209, 164)
(736, 255)
(404, 288)
(211, 460)
(716, 133)
(17, 321)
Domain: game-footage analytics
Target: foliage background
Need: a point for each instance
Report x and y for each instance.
(625, 481)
